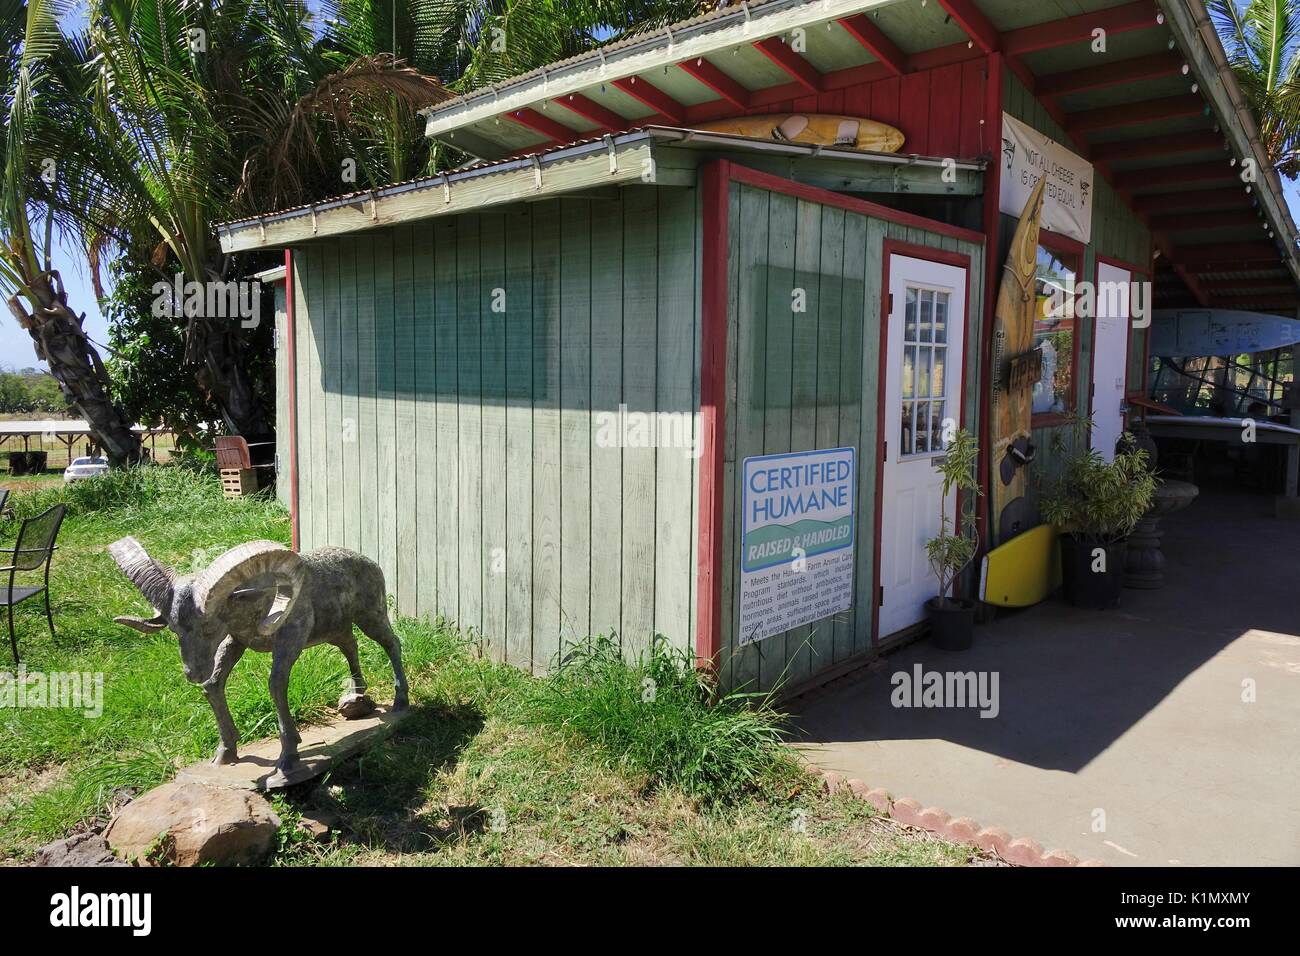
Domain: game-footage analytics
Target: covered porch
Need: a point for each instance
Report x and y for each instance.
(1172, 721)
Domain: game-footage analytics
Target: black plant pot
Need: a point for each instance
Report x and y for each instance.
(952, 623)
(1085, 585)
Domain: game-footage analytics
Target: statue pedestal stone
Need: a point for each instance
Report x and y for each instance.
(323, 746)
(1144, 562)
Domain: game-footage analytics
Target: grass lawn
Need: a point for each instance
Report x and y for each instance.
(493, 766)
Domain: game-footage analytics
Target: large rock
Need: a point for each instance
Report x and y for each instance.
(188, 824)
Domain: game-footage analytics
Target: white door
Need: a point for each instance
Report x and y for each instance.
(1110, 356)
(927, 324)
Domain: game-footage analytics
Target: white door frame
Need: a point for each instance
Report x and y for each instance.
(1108, 376)
(903, 585)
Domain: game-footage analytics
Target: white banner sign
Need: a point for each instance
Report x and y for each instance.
(1028, 156)
(796, 540)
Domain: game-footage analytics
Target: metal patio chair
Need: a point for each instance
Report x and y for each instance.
(33, 550)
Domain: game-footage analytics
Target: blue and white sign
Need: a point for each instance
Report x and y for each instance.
(796, 541)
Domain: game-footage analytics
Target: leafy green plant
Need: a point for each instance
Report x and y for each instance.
(954, 547)
(1096, 500)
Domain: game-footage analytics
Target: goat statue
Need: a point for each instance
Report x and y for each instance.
(261, 596)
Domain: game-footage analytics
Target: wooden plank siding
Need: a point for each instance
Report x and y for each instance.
(1117, 232)
(452, 381)
(799, 380)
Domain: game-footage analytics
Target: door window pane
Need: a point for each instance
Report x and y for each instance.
(924, 372)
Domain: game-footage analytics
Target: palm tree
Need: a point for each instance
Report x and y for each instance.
(377, 62)
(30, 48)
(1262, 40)
(182, 114)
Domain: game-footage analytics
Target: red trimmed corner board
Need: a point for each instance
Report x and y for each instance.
(293, 398)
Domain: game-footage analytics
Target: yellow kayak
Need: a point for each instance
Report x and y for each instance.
(824, 129)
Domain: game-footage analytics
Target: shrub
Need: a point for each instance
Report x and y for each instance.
(1096, 500)
(146, 487)
(656, 717)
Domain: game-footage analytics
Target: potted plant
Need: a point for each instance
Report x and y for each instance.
(1096, 504)
(952, 619)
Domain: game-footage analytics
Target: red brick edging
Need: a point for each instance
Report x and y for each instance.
(1020, 851)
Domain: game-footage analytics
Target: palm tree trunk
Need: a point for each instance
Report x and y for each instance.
(75, 364)
(219, 347)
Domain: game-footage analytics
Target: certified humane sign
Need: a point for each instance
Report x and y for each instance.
(796, 539)
(1028, 156)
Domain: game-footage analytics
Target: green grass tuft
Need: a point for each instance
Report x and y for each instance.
(655, 717)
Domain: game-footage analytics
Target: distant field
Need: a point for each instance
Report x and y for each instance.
(161, 447)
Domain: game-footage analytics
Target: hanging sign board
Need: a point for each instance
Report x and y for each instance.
(796, 540)
(1027, 156)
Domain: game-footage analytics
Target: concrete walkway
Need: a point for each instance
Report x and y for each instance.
(1132, 720)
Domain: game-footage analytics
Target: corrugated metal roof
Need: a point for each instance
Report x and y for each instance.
(666, 133)
(722, 11)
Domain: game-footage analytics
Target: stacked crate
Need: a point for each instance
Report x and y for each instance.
(238, 476)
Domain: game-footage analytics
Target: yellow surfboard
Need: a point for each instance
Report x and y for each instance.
(1023, 571)
(1015, 370)
(824, 129)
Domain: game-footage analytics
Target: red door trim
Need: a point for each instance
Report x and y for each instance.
(293, 397)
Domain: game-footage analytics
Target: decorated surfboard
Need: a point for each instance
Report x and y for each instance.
(1023, 571)
(1196, 333)
(823, 129)
(1017, 365)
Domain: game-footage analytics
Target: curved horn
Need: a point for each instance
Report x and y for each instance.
(153, 579)
(248, 561)
(151, 626)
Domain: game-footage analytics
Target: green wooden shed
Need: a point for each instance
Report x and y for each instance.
(631, 372)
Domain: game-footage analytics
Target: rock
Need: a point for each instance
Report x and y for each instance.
(318, 824)
(80, 849)
(355, 706)
(188, 824)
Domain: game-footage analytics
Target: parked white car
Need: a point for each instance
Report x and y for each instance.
(85, 468)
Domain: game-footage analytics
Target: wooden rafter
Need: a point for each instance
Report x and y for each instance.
(1146, 67)
(803, 72)
(588, 108)
(1191, 201)
(1217, 173)
(1153, 146)
(1179, 222)
(646, 92)
(1145, 111)
(974, 23)
(1079, 29)
(719, 82)
(535, 121)
(1212, 253)
(862, 29)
